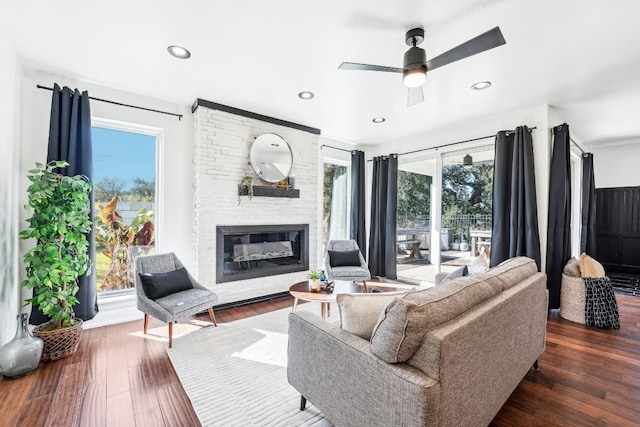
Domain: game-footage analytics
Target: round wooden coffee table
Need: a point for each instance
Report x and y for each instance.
(300, 291)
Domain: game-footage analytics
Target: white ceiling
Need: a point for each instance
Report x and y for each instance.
(582, 57)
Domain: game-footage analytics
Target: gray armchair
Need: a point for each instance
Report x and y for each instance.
(346, 272)
(176, 305)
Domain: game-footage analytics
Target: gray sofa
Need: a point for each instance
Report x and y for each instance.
(450, 355)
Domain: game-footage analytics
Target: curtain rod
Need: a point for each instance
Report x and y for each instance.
(577, 146)
(455, 143)
(179, 116)
(335, 148)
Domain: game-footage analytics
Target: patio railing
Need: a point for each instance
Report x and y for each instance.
(459, 225)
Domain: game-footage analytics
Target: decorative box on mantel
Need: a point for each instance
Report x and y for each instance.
(266, 191)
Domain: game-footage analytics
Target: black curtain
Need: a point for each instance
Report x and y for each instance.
(70, 140)
(358, 232)
(515, 217)
(559, 232)
(588, 230)
(382, 235)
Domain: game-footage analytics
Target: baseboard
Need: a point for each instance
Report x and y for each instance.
(235, 304)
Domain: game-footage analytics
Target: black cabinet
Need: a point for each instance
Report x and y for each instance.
(618, 229)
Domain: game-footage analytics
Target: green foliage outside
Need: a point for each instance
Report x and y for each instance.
(142, 190)
(120, 243)
(467, 191)
(465, 194)
(102, 266)
(60, 221)
(414, 197)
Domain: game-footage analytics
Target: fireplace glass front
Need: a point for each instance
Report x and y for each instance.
(246, 252)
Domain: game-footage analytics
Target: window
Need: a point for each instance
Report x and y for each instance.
(124, 163)
(335, 206)
(467, 198)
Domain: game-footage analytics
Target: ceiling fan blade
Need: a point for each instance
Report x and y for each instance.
(489, 40)
(415, 95)
(367, 67)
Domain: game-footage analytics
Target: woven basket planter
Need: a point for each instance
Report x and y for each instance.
(59, 343)
(572, 299)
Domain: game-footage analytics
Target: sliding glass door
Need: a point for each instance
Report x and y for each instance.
(413, 224)
(444, 212)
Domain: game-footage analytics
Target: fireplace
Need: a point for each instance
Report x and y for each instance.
(251, 251)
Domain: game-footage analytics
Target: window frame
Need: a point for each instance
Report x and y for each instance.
(158, 134)
(347, 165)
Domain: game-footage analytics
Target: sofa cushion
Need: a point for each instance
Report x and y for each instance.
(589, 267)
(359, 312)
(182, 301)
(512, 271)
(344, 258)
(403, 323)
(572, 268)
(346, 273)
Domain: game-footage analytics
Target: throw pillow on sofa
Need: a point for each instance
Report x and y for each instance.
(404, 322)
(479, 265)
(359, 312)
(458, 272)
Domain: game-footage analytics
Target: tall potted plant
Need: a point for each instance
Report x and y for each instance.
(60, 221)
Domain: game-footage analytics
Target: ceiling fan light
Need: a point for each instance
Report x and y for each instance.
(414, 78)
(467, 162)
(179, 52)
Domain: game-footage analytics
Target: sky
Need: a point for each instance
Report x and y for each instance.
(122, 155)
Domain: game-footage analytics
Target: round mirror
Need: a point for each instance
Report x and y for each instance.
(271, 157)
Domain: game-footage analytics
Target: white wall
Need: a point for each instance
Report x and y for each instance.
(617, 166)
(175, 211)
(9, 117)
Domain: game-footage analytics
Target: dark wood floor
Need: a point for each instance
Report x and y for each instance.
(587, 377)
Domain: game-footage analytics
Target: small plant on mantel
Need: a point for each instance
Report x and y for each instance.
(246, 184)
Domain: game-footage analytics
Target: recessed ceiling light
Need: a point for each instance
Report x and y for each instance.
(481, 85)
(179, 52)
(306, 95)
(378, 120)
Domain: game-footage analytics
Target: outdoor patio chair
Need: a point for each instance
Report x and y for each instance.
(168, 292)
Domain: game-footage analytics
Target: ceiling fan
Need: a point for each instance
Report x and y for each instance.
(416, 66)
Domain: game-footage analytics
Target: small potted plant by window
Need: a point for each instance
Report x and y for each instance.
(314, 280)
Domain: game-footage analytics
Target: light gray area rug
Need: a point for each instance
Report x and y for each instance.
(236, 375)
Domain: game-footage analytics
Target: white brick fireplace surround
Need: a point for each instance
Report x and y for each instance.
(222, 140)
